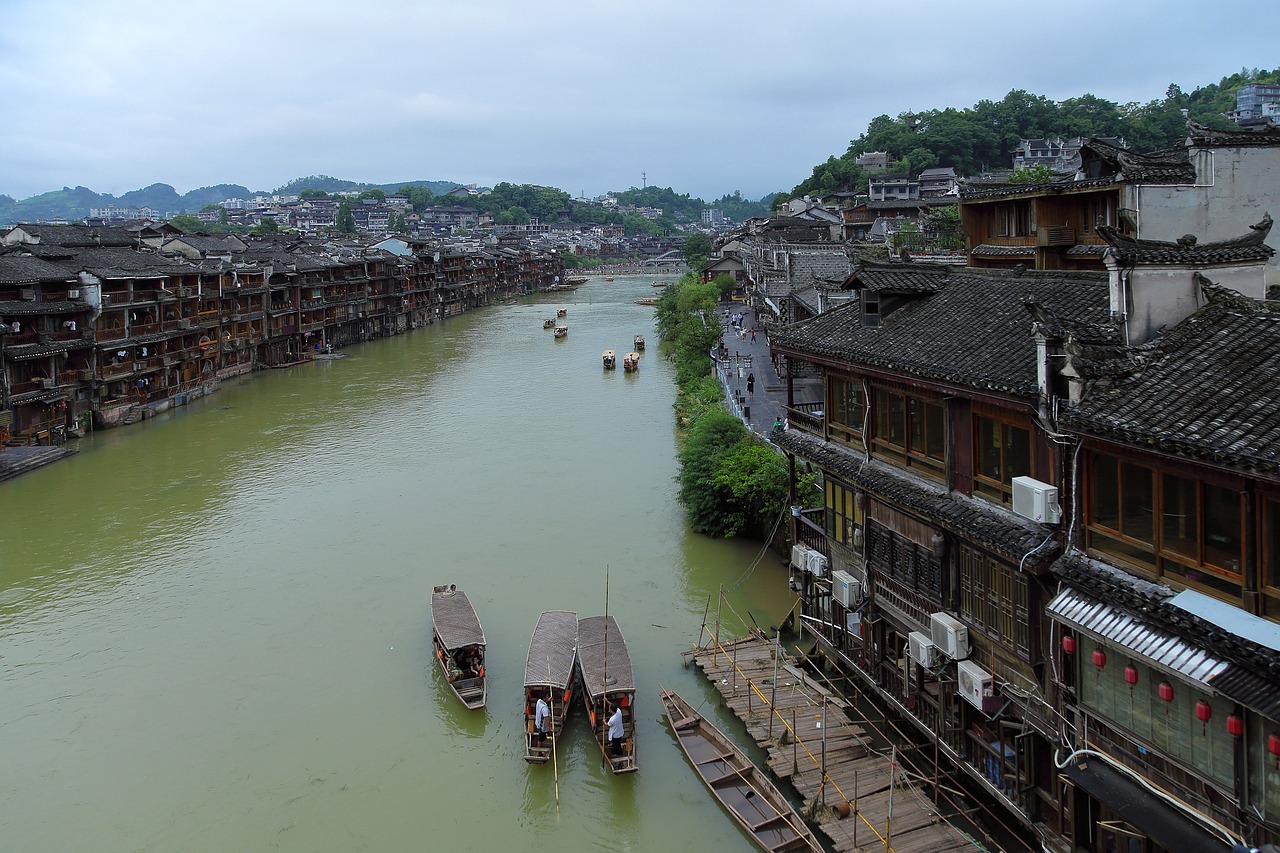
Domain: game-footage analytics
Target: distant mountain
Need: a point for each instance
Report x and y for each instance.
(73, 204)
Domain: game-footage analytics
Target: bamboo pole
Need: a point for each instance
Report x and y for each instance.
(604, 677)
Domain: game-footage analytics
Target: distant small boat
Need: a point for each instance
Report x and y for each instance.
(562, 312)
(604, 672)
(608, 278)
(549, 675)
(744, 791)
(549, 323)
(610, 359)
(639, 342)
(631, 361)
(458, 640)
(561, 331)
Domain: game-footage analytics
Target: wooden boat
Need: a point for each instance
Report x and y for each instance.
(549, 675)
(604, 675)
(561, 331)
(549, 323)
(459, 644)
(562, 312)
(631, 361)
(610, 359)
(608, 278)
(639, 342)
(744, 791)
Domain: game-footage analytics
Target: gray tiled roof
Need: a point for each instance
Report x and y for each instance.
(976, 520)
(974, 330)
(1207, 137)
(988, 250)
(24, 269)
(1205, 389)
(1187, 251)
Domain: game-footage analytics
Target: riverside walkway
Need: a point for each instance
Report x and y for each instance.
(860, 799)
(740, 357)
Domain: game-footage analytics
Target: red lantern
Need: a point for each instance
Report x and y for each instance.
(1131, 675)
(1166, 691)
(1273, 745)
(1203, 712)
(1069, 644)
(1235, 725)
(1099, 658)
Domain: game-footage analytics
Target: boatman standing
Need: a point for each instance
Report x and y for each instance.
(541, 717)
(615, 731)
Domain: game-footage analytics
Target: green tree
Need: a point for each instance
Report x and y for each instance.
(186, 223)
(1033, 175)
(266, 226)
(374, 193)
(311, 193)
(345, 220)
(696, 249)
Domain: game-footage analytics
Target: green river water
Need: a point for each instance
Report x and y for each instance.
(215, 625)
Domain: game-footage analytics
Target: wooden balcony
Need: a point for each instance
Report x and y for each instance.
(807, 417)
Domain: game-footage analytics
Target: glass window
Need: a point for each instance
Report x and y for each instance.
(1002, 451)
(842, 514)
(846, 408)
(911, 431)
(1271, 543)
(1181, 516)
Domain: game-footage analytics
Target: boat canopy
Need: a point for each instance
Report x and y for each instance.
(551, 650)
(591, 657)
(454, 619)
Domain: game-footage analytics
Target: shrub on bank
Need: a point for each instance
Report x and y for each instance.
(732, 483)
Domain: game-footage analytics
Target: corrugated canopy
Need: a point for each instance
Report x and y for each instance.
(1118, 626)
(454, 619)
(603, 667)
(551, 650)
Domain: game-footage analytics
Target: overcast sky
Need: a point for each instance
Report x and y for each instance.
(704, 96)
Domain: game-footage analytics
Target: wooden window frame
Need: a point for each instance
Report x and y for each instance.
(1000, 490)
(1208, 577)
(906, 454)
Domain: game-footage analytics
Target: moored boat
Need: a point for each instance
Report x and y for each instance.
(561, 331)
(639, 342)
(742, 788)
(458, 642)
(608, 686)
(549, 676)
(610, 359)
(631, 361)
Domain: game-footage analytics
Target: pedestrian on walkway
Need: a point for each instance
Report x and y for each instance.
(753, 334)
(751, 384)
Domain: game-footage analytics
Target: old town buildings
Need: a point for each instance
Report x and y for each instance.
(1047, 533)
(101, 326)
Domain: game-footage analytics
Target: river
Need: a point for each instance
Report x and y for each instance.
(215, 625)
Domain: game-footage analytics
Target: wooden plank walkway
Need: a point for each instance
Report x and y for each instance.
(742, 670)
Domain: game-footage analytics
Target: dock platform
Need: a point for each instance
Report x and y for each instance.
(880, 804)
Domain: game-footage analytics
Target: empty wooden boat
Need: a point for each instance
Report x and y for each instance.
(549, 676)
(742, 788)
(604, 676)
(459, 644)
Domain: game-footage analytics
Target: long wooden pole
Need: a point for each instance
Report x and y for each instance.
(604, 677)
(888, 818)
(551, 719)
(715, 658)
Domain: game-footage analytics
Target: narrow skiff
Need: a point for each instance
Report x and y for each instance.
(744, 791)
(459, 644)
(604, 675)
(631, 362)
(548, 675)
(639, 342)
(560, 331)
(610, 359)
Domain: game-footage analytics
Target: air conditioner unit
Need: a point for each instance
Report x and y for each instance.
(800, 557)
(73, 294)
(817, 565)
(975, 685)
(846, 589)
(950, 635)
(922, 649)
(1036, 500)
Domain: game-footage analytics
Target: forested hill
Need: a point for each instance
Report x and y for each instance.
(984, 136)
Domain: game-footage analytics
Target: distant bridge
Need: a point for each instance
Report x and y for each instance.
(666, 259)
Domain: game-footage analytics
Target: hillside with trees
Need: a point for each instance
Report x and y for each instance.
(984, 136)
